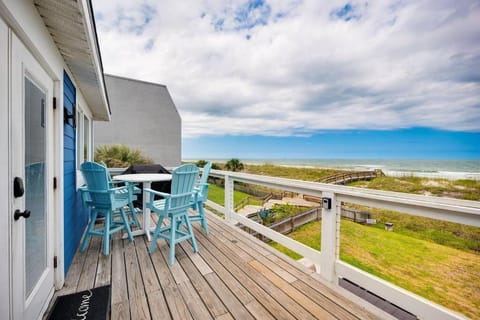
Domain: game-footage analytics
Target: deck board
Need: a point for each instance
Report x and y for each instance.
(233, 276)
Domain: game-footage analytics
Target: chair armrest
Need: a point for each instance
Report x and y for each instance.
(117, 189)
(84, 192)
(158, 193)
(200, 186)
(182, 195)
(135, 189)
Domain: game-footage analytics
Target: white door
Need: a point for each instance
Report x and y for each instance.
(4, 176)
(31, 136)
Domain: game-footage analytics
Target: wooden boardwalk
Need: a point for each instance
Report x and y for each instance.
(234, 276)
(343, 178)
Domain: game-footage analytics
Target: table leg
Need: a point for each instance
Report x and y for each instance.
(146, 215)
(146, 211)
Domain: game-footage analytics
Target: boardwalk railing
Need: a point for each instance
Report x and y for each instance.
(331, 267)
(343, 178)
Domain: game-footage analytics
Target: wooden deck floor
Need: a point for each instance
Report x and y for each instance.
(234, 276)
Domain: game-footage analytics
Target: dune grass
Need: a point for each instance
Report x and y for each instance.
(459, 189)
(445, 275)
(307, 174)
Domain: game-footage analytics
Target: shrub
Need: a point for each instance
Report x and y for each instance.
(120, 156)
(234, 165)
(201, 163)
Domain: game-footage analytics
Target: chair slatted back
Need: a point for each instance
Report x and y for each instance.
(110, 180)
(202, 183)
(183, 181)
(96, 178)
(205, 173)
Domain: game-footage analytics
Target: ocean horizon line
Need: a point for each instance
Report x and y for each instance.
(433, 168)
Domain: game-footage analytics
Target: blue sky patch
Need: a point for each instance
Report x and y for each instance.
(245, 17)
(347, 12)
(412, 143)
(252, 14)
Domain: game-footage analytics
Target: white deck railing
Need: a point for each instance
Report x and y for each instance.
(331, 268)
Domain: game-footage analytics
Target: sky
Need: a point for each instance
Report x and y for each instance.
(306, 79)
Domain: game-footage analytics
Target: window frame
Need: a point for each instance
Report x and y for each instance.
(83, 138)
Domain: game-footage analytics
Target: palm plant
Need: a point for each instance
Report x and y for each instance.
(234, 165)
(120, 156)
(201, 163)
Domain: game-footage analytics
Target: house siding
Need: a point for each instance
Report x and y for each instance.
(75, 216)
(144, 117)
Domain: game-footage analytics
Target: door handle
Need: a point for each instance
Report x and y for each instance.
(18, 214)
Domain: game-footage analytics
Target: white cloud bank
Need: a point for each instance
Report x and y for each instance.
(297, 67)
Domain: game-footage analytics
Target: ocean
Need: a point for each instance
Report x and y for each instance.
(449, 169)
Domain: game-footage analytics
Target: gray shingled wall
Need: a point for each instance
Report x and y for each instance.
(143, 117)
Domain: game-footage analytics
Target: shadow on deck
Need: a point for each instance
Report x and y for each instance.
(234, 276)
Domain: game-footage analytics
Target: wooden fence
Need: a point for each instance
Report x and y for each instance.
(356, 215)
(290, 224)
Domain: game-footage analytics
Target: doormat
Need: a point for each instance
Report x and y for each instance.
(91, 304)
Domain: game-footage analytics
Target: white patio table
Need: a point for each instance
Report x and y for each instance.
(146, 179)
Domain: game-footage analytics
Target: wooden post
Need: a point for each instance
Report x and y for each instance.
(330, 233)
(229, 204)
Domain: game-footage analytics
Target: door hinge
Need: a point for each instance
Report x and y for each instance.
(55, 262)
(54, 183)
(54, 103)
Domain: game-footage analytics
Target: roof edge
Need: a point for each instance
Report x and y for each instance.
(136, 80)
(85, 6)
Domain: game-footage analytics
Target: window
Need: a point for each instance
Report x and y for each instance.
(84, 142)
(79, 137)
(87, 151)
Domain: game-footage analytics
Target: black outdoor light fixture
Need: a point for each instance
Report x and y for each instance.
(67, 116)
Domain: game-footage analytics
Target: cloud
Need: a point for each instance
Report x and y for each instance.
(282, 68)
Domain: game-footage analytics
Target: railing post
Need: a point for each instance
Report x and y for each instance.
(330, 230)
(229, 204)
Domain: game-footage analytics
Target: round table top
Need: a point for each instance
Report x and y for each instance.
(143, 177)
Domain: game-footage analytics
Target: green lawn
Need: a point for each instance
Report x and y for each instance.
(454, 235)
(217, 195)
(445, 275)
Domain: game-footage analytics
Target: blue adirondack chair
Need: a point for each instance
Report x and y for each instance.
(102, 198)
(132, 191)
(200, 196)
(174, 207)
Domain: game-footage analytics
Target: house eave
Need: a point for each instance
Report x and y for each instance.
(72, 27)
